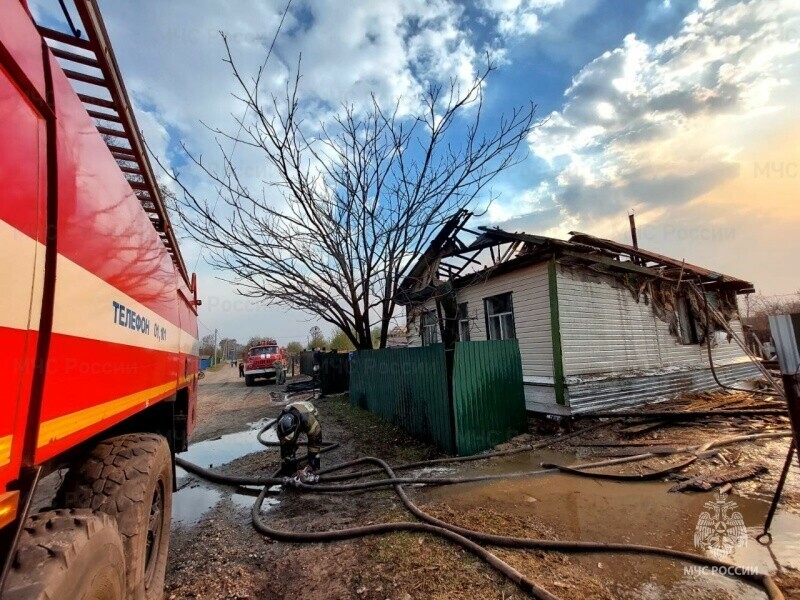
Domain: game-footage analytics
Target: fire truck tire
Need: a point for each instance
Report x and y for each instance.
(129, 477)
(249, 380)
(68, 555)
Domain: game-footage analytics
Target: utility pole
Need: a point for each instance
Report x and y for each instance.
(215, 346)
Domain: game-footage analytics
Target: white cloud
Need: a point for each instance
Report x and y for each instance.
(661, 124)
(519, 17)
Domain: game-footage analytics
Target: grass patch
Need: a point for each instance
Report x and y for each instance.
(374, 435)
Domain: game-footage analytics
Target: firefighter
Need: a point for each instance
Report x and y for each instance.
(280, 373)
(299, 418)
(241, 368)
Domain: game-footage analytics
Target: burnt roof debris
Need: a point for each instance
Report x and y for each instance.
(443, 243)
(494, 251)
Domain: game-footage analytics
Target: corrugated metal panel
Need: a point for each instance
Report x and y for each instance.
(617, 393)
(605, 330)
(408, 387)
(785, 331)
(488, 395)
(334, 373)
(307, 363)
(530, 295)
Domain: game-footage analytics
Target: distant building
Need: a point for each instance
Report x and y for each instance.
(398, 337)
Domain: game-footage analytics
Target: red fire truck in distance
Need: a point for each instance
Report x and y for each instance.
(98, 322)
(264, 360)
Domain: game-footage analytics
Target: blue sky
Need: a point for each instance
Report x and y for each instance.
(683, 110)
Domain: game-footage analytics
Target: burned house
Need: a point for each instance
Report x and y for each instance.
(601, 325)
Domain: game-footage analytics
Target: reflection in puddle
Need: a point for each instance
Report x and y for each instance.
(191, 502)
(220, 451)
(432, 472)
(782, 552)
(638, 513)
(245, 497)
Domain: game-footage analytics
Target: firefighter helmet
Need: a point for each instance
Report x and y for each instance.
(288, 425)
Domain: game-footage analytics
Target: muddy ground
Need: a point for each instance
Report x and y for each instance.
(215, 552)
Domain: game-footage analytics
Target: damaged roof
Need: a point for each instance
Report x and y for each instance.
(494, 251)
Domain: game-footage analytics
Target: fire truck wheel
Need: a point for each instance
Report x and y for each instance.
(66, 555)
(249, 380)
(130, 478)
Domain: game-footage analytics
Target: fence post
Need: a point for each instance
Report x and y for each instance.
(447, 312)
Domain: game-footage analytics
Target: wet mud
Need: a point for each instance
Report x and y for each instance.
(216, 554)
(638, 513)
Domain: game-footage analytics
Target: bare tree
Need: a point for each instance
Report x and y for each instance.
(758, 309)
(352, 204)
(207, 345)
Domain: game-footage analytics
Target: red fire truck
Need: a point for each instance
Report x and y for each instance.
(265, 360)
(98, 321)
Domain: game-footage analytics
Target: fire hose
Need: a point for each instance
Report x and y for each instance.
(469, 539)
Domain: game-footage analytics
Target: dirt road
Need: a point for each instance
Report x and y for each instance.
(225, 404)
(215, 553)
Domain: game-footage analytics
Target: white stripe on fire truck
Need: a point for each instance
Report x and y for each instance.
(86, 305)
(22, 274)
(89, 307)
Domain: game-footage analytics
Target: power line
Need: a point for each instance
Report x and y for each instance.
(204, 326)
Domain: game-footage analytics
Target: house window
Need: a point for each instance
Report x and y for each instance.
(463, 322)
(686, 322)
(499, 317)
(430, 328)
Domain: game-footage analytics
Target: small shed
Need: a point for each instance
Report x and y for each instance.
(601, 325)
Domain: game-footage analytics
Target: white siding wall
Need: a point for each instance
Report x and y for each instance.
(530, 296)
(605, 331)
(531, 299)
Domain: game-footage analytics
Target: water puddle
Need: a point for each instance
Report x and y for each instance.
(195, 497)
(189, 504)
(245, 497)
(639, 513)
(224, 449)
(432, 472)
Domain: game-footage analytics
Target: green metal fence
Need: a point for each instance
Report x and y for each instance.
(334, 372)
(409, 387)
(488, 396)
